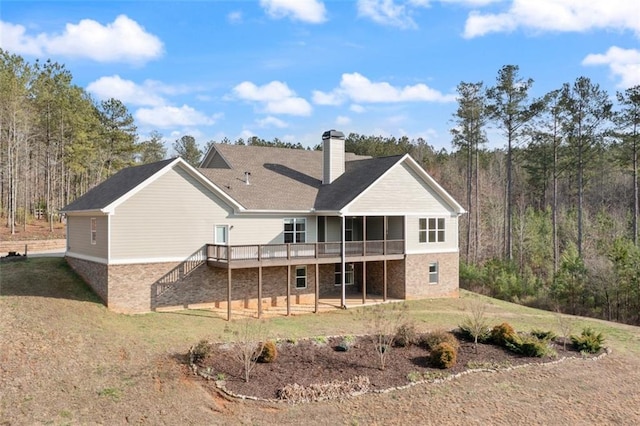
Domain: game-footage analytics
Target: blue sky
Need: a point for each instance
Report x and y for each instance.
(292, 69)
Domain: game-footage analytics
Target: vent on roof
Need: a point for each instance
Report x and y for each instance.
(246, 178)
(332, 156)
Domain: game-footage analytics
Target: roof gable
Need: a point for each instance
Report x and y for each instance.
(358, 176)
(115, 187)
(118, 188)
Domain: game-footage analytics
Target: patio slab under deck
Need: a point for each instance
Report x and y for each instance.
(324, 305)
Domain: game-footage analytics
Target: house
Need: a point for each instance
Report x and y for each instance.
(261, 226)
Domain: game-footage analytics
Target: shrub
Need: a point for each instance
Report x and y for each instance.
(434, 338)
(544, 335)
(200, 351)
(502, 334)
(589, 341)
(469, 332)
(443, 355)
(345, 344)
(406, 335)
(269, 352)
(531, 346)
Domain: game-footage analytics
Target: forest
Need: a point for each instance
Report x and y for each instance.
(552, 216)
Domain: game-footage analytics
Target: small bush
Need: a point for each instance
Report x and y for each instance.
(443, 355)
(503, 333)
(432, 339)
(589, 341)
(269, 352)
(200, 351)
(544, 335)
(319, 340)
(345, 344)
(406, 335)
(531, 346)
(468, 331)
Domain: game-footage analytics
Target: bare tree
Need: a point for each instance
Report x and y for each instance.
(476, 323)
(384, 321)
(247, 340)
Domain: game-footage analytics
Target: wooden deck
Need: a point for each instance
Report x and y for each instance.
(248, 256)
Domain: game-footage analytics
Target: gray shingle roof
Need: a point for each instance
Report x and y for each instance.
(291, 179)
(115, 187)
(280, 179)
(358, 176)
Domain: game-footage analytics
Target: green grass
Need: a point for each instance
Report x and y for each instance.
(75, 308)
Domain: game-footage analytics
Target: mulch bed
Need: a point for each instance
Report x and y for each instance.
(309, 362)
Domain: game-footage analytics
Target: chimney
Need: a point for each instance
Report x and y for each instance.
(332, 156)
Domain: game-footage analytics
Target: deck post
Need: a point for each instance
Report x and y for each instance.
(317, 283)
(288, 290)
(384, 285)
(364, 282)
(228, 293)
(259, 291)
(343, 255)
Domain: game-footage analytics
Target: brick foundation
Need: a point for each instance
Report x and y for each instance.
(147, 287)
(93, 273)
(417, 275)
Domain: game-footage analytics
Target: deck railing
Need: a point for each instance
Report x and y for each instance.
(257, 252)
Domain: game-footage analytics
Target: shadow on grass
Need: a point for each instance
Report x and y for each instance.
(44, 277)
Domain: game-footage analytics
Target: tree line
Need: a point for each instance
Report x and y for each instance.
(552, 215)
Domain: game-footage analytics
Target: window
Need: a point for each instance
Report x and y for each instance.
(431, 230)
(433, 273)
(301, 277)
(295, 230)
(348, 276)
(94, 230)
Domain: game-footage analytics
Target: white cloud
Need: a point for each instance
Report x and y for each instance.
(342, 120)
(234, 17)
(123, 40)
(246, 134)
(310, 11)
(557, 15)
(359, 89)
(169, 116)
(13, 39)
(390, 13)
(126, 90)
(322, 98)
(271, 121)
(275, 98)
(357, 108)
(623, 63)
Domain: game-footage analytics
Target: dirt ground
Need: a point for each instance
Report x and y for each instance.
(35, 230)
(311, 362)
(65, 359)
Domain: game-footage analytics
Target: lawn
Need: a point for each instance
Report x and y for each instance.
(65, 359)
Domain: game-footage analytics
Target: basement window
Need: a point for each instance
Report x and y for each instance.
(348, 276)
(301, 277)
(433, 273)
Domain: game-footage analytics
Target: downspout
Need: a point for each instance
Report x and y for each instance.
(343, 303)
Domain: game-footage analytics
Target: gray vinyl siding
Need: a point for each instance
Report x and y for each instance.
(79, 236)
(401, 190)
(413, 243)
(175, 216)
(170, 218)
